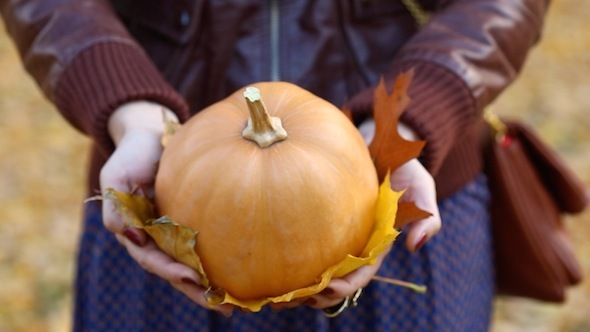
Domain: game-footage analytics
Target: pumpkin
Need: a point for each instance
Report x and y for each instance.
(277, 190)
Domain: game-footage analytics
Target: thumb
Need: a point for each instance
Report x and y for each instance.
(115, 176)
(420, 188)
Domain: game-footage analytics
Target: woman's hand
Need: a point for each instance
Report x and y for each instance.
(419, 188)
(137, 128)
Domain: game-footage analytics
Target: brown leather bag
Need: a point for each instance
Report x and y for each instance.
(531, 188)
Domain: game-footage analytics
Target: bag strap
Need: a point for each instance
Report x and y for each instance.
(496, 125)
(417, 11)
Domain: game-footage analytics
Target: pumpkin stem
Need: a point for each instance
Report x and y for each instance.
(261, 128)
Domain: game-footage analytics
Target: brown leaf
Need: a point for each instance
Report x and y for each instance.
(171, 128)
(388, 149)
(408, 212)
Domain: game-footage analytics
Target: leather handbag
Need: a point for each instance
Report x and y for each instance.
(531, 189)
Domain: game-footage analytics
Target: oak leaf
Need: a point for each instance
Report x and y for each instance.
(389, 149)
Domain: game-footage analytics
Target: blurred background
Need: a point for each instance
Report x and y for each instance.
(43, 163)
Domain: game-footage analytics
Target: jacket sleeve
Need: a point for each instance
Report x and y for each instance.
(467, 53)
(85, 61)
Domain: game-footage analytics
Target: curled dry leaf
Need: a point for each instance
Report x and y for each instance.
(175, 240)
(388, 149)
(171, 127)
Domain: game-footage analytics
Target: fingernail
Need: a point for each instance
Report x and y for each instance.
(310, 302)
(129, 234)
(420, 242)
(328, 291)
(226, 314)
(189, 281)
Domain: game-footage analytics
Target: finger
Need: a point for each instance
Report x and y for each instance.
(132, 164)
(420, 231)
(192, 291)
(180, 276)
(113, 176)
(135, 235)
(152, 259)
(420, 189)
(197, 294)
(340, 288)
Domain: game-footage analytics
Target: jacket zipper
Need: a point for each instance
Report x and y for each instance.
(275, 74)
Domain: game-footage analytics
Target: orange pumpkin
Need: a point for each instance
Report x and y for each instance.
(277, 199)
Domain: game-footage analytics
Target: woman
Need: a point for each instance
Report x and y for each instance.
(111, 66)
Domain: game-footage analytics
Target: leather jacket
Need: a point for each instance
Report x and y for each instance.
(90, 56)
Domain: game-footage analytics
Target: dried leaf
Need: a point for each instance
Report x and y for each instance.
(135, 210)
(171, 128)
(178, 242)
(408, 212)
(175, 240)
(388, 149)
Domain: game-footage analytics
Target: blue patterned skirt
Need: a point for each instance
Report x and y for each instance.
(114, 294)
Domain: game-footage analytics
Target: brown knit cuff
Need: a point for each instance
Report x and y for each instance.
(441, 106)
(104, 77)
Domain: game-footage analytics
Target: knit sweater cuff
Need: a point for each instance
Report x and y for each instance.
(441, 105)
(104, 77)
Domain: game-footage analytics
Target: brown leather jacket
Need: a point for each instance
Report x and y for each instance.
(89, 56)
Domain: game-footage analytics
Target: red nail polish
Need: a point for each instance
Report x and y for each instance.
(327, 291)
(129, 234)
(310, 302)
(420, 242)
(189, 281)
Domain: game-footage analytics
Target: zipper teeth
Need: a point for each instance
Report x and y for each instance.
(274, 41)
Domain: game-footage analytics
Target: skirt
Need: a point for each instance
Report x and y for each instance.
(113, 293)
